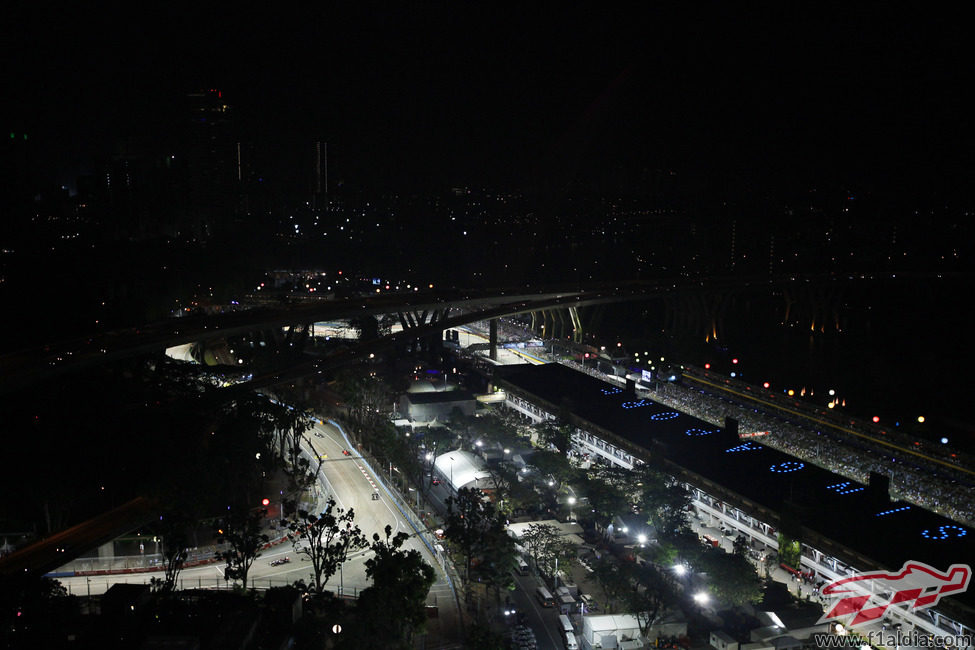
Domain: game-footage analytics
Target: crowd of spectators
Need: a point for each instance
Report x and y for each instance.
(945, 454)
(910, 481)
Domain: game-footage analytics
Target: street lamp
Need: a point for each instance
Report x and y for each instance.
(572, 502)
(701, 598)
(680, 569)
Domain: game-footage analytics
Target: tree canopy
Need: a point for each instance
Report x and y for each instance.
(731, 577)
(326, 539)
(241, 529)
(663, 500)
(547, 547)
(394, 605)
(474, 525)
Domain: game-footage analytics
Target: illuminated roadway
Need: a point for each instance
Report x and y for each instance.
(348, 479)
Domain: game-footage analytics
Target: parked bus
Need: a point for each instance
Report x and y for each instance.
(544, 597)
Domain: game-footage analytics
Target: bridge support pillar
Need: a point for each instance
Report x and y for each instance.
(576, 325)
(106, 551)
(560, 313)
(493, 336)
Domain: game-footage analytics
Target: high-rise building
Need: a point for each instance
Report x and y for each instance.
(319, 175)
(213, 163)
(16, 196)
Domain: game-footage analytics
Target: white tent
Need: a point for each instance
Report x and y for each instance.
(462, 469)
(611, 631)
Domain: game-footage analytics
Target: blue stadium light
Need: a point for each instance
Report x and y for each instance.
(698, 432)
(748, 446)
(943, 533)
(636, 404)
(892, 511)
(666, 415)
(786, 467)
(844, 488)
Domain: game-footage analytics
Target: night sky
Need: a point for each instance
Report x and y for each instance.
(439, 94)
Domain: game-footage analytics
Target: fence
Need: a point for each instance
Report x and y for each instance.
(95, 585)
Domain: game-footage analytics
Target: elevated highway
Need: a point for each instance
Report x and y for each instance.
(53, 551)
(22, 368)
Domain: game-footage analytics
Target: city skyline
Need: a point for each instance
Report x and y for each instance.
(687, 281)
(535, 99)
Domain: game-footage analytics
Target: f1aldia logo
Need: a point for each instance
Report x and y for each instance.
(864, 598)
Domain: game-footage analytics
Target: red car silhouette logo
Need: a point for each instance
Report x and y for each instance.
(864, 598)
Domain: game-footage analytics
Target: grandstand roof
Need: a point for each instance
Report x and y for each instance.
(835, 507)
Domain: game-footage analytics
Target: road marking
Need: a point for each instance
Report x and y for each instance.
(397, 520)
(368, 478)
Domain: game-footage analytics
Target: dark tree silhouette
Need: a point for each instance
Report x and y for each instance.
(401, 581)
(469, 517)
(326, 539)
(242, 530)
(175, 536)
